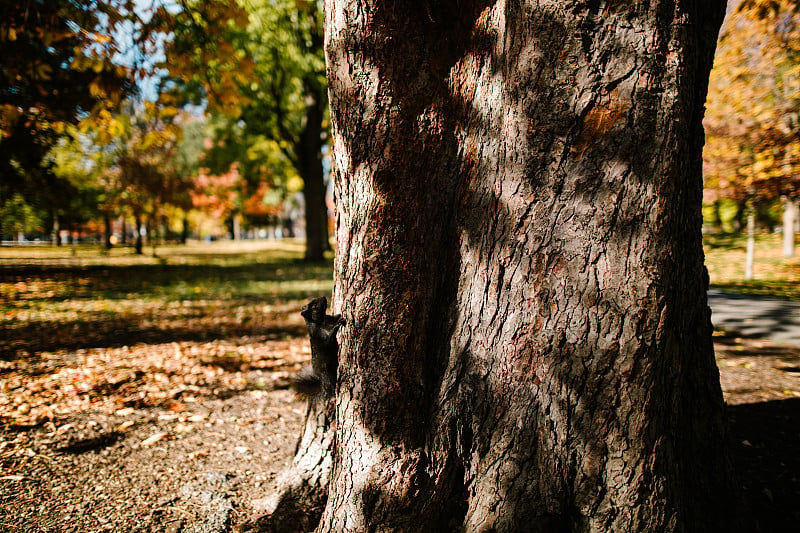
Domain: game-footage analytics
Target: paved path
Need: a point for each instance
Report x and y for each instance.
(754, 316)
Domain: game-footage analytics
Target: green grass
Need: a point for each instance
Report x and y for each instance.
(774, 275)
(62, 298)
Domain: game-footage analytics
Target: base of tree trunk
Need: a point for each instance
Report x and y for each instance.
(527, 343)
(302, 491)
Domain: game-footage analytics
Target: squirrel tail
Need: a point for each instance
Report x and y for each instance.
(306, 383)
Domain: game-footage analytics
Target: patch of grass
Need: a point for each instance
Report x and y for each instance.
(774, 275)
(51, 299)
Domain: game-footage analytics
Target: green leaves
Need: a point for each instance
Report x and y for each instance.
(57, 70)
(204, 49)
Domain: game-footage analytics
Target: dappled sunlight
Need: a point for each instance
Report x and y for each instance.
(105, 333)
(194, 252)
(109, 362)
(57, 385)
(197, 293)
(773, 274)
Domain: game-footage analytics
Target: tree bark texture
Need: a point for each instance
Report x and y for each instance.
(528, 344)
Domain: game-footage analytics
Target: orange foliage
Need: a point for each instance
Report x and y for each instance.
(752, 146)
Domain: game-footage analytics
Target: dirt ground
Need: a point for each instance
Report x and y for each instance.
(185, 436)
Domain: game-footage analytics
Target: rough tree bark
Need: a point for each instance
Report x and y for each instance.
(528, 344)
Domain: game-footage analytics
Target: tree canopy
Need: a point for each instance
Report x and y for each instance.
(252, 74)
(267, 82)
(58, 68)
(752, 144)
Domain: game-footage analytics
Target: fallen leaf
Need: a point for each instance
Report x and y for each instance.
(177, 407)
(154, 438)
(125, 425)
(183, 428)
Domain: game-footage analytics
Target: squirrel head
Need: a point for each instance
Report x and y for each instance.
(315, 309)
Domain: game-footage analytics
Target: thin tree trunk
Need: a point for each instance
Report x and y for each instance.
(139, 243)
(185, 229)
(310, 151)
(152, 233)
(107, 231)
(790, 210)
(751, 244)
(124, 230)
(56, 231)
(527, 343)
(236, 226)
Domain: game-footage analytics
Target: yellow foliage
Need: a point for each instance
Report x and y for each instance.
(754, 95)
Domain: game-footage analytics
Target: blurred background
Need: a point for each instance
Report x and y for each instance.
(128, 123)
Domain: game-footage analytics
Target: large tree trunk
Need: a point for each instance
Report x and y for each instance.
(528, 345)
(303, 488)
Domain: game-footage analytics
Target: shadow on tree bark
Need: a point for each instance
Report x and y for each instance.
(527, 343)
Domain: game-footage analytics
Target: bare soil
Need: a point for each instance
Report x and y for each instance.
(190, 436)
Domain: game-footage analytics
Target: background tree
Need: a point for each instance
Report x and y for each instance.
(221, 196)
(259, 160)
(527, 343)
(288, 100)
(77, 164)
(752, 153)
(17, 217)
(57, 69)
(267, 81)
(145, 172)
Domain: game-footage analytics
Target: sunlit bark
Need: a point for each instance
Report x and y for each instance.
(527, 343)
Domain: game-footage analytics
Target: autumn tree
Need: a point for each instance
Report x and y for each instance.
(259, 64)
(527, 343)
(78, 164)
(58, 69)
(144, 173)
(220, 196)
(265, 170)
(753, 150)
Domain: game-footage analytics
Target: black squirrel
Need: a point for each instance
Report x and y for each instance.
(319, 379)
